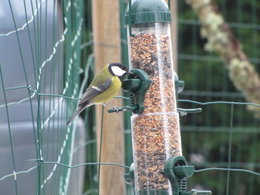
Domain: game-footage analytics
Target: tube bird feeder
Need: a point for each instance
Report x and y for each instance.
(156, 131)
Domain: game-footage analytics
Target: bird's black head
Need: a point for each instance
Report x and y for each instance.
(117, 69)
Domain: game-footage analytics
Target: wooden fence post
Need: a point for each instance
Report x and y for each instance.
(106, 32)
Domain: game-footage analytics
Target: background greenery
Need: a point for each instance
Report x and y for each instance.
(207, 135)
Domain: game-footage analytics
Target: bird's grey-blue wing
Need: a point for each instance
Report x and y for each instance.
(93, 91)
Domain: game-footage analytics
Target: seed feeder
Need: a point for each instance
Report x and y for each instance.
(156, 131)
(159, 167)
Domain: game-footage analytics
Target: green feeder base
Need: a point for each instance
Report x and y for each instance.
(177, 170)
(153, 192)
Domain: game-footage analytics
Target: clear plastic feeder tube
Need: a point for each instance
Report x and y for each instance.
(155, 132)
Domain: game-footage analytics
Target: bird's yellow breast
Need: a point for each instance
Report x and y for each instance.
(109, 93)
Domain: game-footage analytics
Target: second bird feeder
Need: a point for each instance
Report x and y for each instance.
(156, 131)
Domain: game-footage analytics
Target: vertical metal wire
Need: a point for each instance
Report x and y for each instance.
(230, 148)
(224, 118)
(9, 130)
(100, 146)
(255, 55)
(36, 135)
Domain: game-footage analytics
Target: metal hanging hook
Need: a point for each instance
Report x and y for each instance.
(130, 17)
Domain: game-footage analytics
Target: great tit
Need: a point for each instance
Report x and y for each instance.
(103, 88)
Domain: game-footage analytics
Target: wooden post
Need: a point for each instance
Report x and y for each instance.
(174, 32)
(106, 31)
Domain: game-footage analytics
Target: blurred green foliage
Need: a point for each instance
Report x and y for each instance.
(209, 137)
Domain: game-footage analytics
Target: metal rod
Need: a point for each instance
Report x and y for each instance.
(130, 17)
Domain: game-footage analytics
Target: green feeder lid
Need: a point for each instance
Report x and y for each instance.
(148, 11)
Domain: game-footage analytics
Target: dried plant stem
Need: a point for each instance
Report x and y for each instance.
(222, 41)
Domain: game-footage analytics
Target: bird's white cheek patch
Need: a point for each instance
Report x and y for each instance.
(117, 71)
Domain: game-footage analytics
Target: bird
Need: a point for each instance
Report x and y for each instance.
(103, 88)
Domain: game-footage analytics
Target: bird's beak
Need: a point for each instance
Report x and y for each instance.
(124, 76)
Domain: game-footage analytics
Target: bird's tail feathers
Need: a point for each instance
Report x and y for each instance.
(77, 112)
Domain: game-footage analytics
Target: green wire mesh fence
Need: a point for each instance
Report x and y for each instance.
(40, 56)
